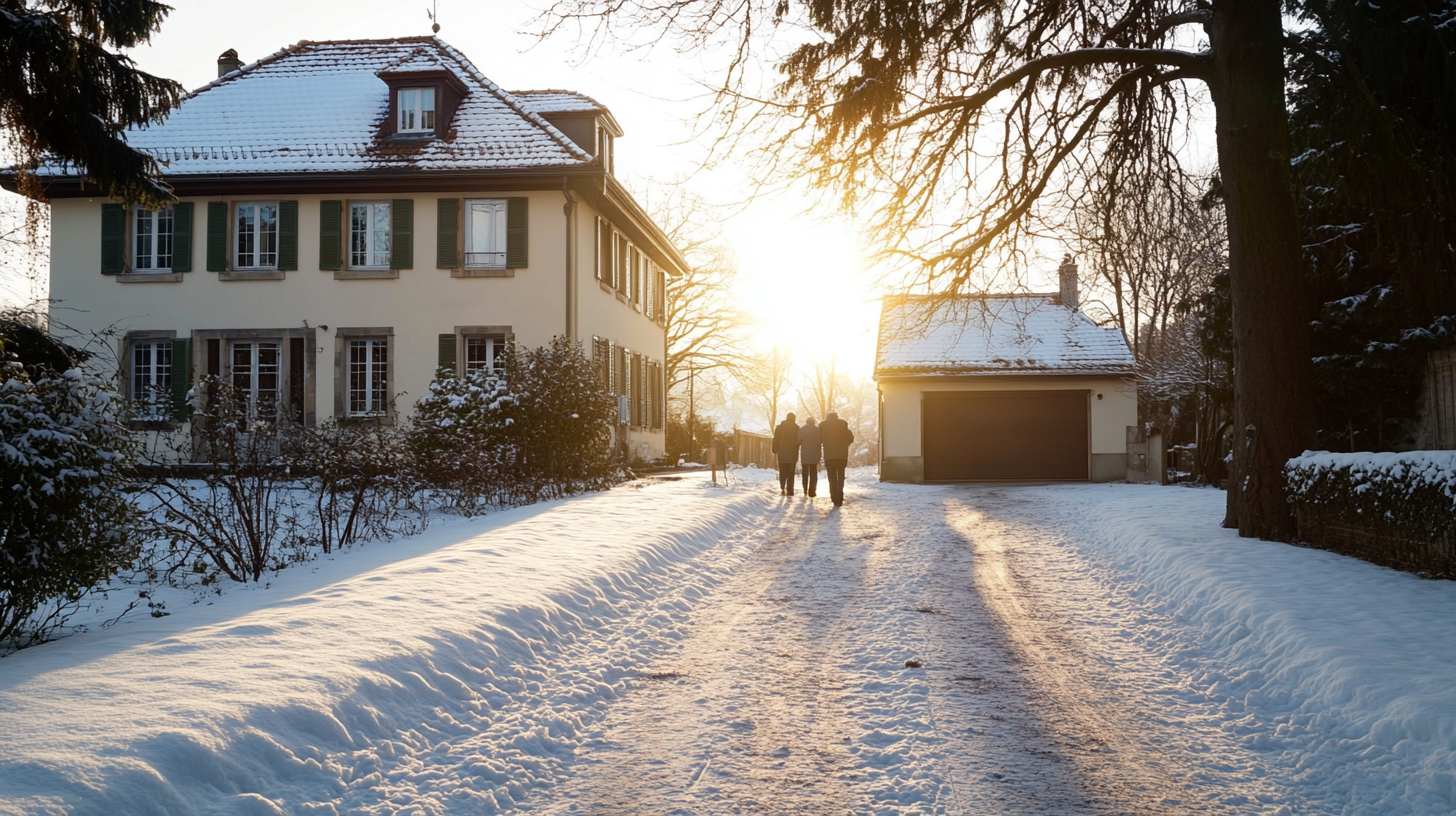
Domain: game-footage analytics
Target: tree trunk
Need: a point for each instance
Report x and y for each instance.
(1273, 380)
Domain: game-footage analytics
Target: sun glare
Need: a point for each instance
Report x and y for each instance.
(803, 284)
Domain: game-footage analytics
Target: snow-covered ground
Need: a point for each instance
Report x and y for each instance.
(673, 647)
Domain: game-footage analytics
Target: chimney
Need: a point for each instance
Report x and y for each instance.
(228, 62)
(1068, 273)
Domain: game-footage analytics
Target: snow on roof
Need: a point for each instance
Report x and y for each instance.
(558, 102)
(994, 335)
(318, 107)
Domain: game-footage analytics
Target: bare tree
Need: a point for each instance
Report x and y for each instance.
(955, 120)
(705, 328)
(824, 384)
(1150, 246)
(766, 379)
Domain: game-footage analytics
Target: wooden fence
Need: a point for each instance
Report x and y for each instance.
(753, 449)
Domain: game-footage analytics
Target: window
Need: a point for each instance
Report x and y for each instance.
(151, 379)
(485, 233)
(484, 352)
(368, 377)
(152, 240)
(256, 229)
(369, 235)
(620, 260)
(416, 110)
(255, 370)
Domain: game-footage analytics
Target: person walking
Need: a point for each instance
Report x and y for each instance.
(809, 455)
(786, 445)
(836, 437)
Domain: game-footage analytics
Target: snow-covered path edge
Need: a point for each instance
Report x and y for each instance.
(455, 681)
(1332, 677)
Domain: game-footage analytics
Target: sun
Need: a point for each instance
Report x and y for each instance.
(804, 285)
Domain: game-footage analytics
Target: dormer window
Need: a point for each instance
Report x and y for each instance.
(416, 110)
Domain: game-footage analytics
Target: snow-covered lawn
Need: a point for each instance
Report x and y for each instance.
(673, 647)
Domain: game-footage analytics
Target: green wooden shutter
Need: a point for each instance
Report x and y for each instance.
(113, 239)
(182, 236)
(330, 235)
(181, 376)
(288, 236)
(447, 351)
(217, 214)
(402, 239)
(447, 233)
(516, 233)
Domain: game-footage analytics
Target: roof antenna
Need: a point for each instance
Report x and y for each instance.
(434, 14)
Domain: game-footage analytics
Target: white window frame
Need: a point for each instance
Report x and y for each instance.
(160, 225)
(151, 378)
(251, 391)
(493, 254)
(258, 234)
(371, 257)
(413, 105)
(366, 377)
(494, 347)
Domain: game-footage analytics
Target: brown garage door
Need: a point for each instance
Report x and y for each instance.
(993, 435)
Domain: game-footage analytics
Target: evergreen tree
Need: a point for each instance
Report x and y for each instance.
(67, 96)
(1373, 124)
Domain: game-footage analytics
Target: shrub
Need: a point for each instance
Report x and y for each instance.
(542, 429)
(65, 521)
(461, 439)
(243, 517)
(1397, 509)
(1415, 489)
(563, 435)
(361, 481)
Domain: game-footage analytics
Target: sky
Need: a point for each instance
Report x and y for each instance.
(801, 277)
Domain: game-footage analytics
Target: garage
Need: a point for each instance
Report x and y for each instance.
(1038, 435)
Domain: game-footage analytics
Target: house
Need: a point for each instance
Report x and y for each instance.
(1002, 387)
(353, 214)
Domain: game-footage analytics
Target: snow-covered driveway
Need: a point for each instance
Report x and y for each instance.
(673, 648)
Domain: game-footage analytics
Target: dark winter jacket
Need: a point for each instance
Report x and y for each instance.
(835, 435)
(809, 444)
(786, 441)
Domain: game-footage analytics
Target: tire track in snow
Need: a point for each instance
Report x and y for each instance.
(790, 693)
(746, 715)
(1139, 749)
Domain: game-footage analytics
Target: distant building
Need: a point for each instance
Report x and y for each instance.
(354, 214)
(1002, 387)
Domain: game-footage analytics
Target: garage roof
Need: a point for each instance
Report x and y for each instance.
(969, 335)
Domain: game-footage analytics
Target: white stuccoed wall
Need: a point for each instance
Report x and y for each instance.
(420, 304)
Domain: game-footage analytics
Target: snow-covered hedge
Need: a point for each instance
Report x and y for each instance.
(66, 526)
(1404, 504)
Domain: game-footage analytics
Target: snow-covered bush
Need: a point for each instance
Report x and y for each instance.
(563, 433)
(541, 430)
(66, 524)
(461, 439)
(1413, 492)
(243, 517)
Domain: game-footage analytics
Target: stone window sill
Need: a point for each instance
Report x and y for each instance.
(150, 277)
(482, 272)
(250, 274)
(366, 274)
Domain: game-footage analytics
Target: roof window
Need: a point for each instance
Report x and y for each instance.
(421, 103)
(416, 110)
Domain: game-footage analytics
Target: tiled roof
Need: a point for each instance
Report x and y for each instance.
(994, 335)
(318, 107)
(558, 102)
